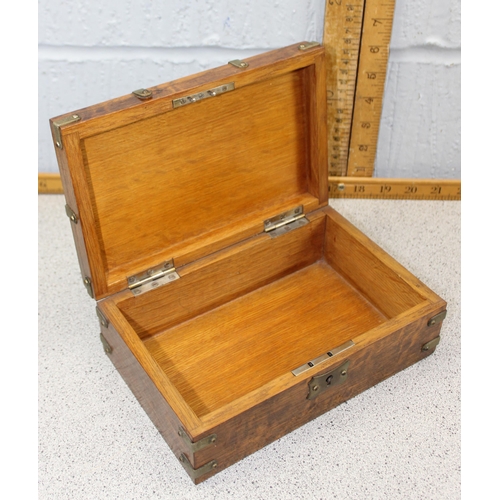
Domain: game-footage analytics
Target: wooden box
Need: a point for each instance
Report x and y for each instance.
(235, 303)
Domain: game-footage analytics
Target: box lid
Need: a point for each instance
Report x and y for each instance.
(186, 168)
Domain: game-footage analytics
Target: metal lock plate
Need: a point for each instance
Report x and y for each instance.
(321, 383)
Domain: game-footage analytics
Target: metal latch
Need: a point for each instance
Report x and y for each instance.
(153, 278)
(285, 222)
(320, 359)
(321, 383)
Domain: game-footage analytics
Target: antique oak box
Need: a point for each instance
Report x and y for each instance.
(234, 302)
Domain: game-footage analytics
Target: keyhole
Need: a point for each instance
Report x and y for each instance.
(329, 379)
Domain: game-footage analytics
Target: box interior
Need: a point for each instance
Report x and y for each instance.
(238, 319)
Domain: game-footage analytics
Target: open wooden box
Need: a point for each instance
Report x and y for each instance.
(233, 301)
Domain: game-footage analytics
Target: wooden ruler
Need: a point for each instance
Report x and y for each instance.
(395, 189)
(49, 184)
(356, 37)
(344, 187)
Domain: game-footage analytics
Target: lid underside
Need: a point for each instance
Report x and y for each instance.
(183, 182)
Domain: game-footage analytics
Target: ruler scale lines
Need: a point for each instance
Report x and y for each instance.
(394, 189)
(356, 39)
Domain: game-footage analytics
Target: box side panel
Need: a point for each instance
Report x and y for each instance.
(267, 421)
(385, 282)
(145, 391)
(76, 226)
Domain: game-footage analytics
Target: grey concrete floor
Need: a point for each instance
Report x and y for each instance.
(398, 440)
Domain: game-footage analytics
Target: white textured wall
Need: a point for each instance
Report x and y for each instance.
(94, 50)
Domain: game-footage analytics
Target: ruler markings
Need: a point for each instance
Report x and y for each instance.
(343, 187)
(341, 39)
(396, 189)
(357, 35)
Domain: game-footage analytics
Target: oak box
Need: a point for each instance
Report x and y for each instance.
(235, 303)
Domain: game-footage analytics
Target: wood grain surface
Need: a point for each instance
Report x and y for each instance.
(236, 348)
(214, 350)
(223, 363)
(224, 276)
(152, 183)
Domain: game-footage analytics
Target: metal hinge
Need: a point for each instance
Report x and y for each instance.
(57, 124)
(285, 222)
(153, 278)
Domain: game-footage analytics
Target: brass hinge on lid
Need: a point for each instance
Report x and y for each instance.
(153, 278)
(285, 222)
